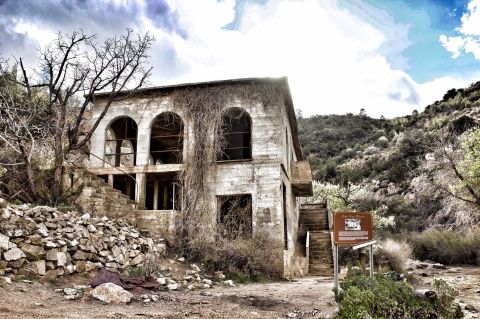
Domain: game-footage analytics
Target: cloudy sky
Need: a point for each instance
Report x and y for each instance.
(389, 57)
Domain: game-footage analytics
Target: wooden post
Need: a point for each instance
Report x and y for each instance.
(371, 261)
(362, 259)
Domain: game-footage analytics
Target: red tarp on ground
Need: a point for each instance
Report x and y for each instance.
(104, 276)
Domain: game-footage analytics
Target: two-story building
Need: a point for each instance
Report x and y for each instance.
(145, 141)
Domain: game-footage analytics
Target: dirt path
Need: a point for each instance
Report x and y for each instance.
(465, 279)
(307, 297)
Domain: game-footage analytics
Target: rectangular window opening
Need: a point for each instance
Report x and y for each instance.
(285, 225)
(126, 184)
(234, 216)
(162, 192)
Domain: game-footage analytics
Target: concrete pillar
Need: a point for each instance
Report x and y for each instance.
(141, 188)
(128, 191)
(155, 195)
(165, 197)
(97, 146)
(143, 144)
(110, 180)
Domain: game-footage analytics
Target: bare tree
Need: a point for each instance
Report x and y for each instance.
(77, 66)
(23, 123)
(451, 157)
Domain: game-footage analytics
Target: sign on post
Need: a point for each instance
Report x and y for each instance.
(350, 228)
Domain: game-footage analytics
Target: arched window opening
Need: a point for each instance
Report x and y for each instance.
(237, 130)
(166, 142)
(121, 142)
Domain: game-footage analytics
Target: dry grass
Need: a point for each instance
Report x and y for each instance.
(258, 255)
(396, 252)
(447, 247)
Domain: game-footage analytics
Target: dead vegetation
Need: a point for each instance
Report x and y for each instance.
(204, 109)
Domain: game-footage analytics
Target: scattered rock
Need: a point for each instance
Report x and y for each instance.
(111, 293)
(70, 291)
(470, 308)
(172, 286)
(4, 242)
(13, 254)
(52, 254)
(37, 267)
(195, 267)
(439, 266)
(421, 265)
(68, 241)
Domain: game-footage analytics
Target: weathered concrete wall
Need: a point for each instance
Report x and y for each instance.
(158, 223)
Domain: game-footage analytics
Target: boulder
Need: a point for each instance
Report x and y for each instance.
(5, 243)
(111, 293)
(81, 266)
(35, 239)
(471, 308)
(137, 260)
(52, 254)
(33, 252)
(53, 273)
(13, 254)
(16, 263)
(61, 259)
(439, 266)
(36, 267)
(80, 255)
(172, 286)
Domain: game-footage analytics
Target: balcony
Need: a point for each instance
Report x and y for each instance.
(302, 179)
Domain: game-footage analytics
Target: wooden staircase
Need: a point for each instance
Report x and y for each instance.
(314, 219)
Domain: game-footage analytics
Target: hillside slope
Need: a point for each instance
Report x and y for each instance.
(400, 164)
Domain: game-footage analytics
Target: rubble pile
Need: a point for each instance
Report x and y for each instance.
(46, 242)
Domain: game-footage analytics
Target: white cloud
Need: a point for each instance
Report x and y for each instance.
(468, 40)
(333, 58)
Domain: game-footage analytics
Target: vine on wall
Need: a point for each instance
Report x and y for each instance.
(203, 108)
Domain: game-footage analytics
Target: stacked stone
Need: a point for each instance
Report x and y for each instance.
(46, 242)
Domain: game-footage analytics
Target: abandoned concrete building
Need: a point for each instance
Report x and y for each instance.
(145, 142)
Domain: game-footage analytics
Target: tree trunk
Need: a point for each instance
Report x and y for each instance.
(58, 164)
(31, 179)
(59, 154)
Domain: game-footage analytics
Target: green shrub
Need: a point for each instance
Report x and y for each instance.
(382, 297)
(447, 247)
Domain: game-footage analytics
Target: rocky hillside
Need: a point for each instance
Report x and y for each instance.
(399, 164)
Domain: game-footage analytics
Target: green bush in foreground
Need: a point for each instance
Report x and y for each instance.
(383, 297)
(447, 247)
